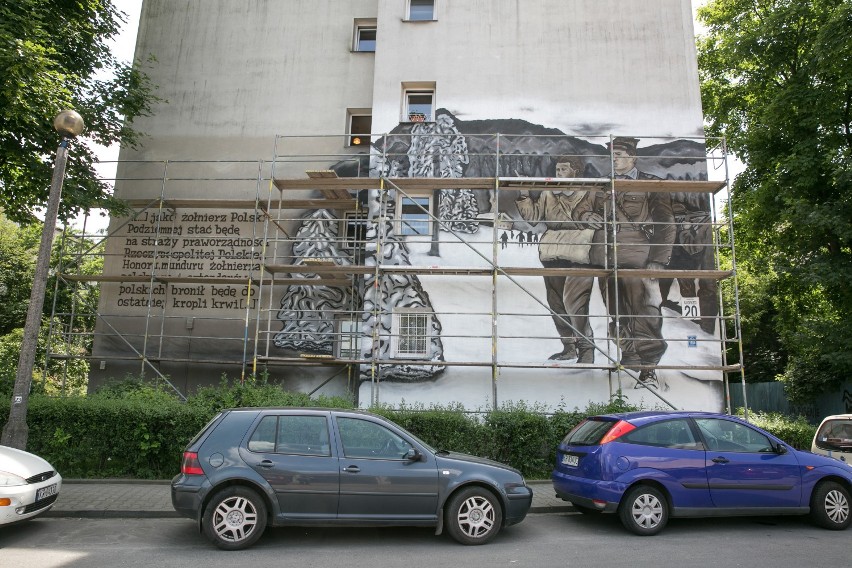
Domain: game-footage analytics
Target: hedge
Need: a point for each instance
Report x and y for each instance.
(143, 435)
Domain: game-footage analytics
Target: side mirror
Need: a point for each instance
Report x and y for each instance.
(780, 449)
(413, 455)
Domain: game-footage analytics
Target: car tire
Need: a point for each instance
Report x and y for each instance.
(830, 506)
(234, 518)
(644, 510)
(473, 516)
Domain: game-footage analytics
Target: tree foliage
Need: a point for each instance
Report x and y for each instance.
(776, 80)
(72, 306)
(54, 55)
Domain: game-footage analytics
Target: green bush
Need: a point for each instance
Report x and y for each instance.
(139, 430)
(797, 432)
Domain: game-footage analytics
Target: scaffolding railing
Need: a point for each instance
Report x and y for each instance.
(406, 209)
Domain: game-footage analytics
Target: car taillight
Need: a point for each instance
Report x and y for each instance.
(621, 428)
(190, 464)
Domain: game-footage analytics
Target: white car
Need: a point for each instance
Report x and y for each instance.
(28, 485)
(834, 437)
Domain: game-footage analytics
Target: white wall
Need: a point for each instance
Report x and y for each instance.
(583, 66)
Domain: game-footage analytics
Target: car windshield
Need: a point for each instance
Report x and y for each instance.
(589, 432)
(835, 435)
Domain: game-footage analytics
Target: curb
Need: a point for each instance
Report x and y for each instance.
(90, 514)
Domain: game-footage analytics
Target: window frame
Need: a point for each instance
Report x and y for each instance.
(319, 450)
(351, 115)
(399, 338)
(348, 331)
(403, 226)
(407, 93)
(364, 25)
(408, 13)
(372, 453)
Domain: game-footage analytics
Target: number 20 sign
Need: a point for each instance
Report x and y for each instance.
(690, 308)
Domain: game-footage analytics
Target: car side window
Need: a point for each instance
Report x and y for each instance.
(297, 435)
(667, 434)
(263, 437)
(365, 439)
(730, 436)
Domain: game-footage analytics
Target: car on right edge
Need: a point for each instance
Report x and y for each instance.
(652, 465)
(833, 438)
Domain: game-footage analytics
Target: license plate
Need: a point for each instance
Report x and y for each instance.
(46, 492)
(568, 459)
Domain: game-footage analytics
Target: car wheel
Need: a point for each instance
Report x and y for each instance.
(473, 516)
(234, 518)
(644, 510)
(830, 506)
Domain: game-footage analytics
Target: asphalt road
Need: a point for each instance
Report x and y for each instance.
(542, 540)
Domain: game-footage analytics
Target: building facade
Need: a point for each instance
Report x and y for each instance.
(422, 201)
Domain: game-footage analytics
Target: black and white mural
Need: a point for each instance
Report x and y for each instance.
(576, 324)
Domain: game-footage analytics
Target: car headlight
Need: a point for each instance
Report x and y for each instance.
(10, 479)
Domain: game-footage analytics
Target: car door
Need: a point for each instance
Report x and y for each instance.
(672, 448)
(294, 454)
(377, 481)
(744, 470)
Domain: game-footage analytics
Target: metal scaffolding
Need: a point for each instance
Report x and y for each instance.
(330, 229)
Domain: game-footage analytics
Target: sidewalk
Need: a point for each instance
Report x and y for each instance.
(115, 498)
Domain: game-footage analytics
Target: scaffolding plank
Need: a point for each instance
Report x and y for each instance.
(488, 270)
(669, 185)
(359, 183)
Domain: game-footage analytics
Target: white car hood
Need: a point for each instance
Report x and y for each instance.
(22, 463)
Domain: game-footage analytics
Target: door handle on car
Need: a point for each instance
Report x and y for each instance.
(266, 463)
(720, 460)
(352, 469)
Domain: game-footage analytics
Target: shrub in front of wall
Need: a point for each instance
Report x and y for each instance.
(797, 432)
(107, 437)
(443, 428)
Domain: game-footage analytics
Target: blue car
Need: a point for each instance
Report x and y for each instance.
(649, 466)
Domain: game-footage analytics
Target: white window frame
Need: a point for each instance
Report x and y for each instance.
(350, 115)
(412, 333)
(407, 227)
(348, 344)
(354, 219)
(364, 25)
(413, 90)
(408, 17)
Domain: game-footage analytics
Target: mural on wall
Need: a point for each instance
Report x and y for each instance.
(564, 227)
(309, 312)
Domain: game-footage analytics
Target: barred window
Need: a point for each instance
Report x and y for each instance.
(411, 333)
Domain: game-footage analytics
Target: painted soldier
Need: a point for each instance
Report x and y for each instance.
(644, 235)
(565, 243)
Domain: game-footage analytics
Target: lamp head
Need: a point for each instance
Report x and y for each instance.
(69, 124)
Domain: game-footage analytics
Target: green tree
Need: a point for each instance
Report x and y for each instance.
(776, 79)
(54, 55)
(72, 305)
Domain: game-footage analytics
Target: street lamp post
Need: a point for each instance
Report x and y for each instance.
(69, 125)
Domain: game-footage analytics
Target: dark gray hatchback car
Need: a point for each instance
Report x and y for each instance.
(253, 467)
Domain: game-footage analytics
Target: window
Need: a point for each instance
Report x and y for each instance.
(729, 436)
(415, 215)
(419, 106)
(835, 435)
(355, 229)
(421, 10)
(365, 439)
(364, 36)
(349, 339)
(668, 434)
(360, 124)
(411, 335)
(299, 435)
